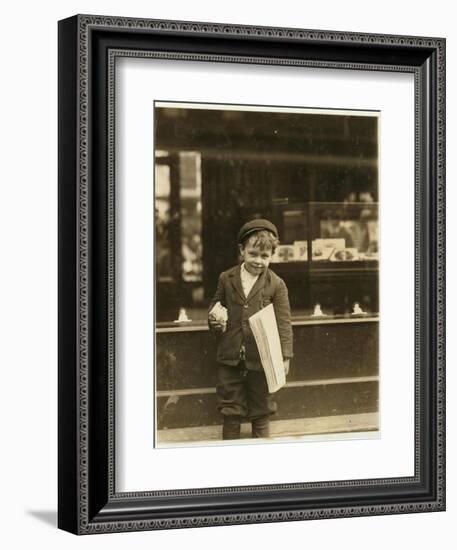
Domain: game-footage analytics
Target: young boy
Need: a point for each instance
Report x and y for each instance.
(243, 290)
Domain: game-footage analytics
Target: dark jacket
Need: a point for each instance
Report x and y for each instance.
(269, 288)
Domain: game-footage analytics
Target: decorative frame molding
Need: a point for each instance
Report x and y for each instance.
(88, 502)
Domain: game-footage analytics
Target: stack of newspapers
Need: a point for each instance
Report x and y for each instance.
(265, 329)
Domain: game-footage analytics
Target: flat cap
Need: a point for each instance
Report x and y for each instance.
(256, 225)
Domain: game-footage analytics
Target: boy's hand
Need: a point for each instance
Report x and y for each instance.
(286, 366)
(219, 326)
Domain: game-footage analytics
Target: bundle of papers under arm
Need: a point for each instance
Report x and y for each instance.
(265, 329)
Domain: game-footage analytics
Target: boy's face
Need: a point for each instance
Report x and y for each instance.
(255, 259)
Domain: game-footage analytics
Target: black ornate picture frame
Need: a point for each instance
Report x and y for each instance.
(88, 500)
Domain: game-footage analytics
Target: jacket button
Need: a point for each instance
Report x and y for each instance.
(246, 306)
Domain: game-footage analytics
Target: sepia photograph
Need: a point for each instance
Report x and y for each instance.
(266, 274)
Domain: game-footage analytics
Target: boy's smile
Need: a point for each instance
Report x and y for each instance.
(256, 260)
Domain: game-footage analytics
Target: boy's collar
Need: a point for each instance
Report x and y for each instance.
(235, 277)
(245, 271)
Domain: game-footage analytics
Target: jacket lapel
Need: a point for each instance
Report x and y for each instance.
(235, 277)
(259, 284)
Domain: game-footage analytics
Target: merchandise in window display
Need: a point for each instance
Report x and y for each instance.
(284, 253)
(357, 310)
(345, 255)
(182, 317)
(318, 311)
(301, 251)
(355, 232)
(324, 248)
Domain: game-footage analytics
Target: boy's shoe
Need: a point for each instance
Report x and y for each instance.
(261, 427)
(231, 427)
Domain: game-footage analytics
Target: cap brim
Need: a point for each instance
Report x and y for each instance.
(253, 230)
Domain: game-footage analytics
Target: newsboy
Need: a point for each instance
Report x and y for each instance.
(243, 290)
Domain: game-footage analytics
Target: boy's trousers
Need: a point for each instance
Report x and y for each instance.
(243, 392)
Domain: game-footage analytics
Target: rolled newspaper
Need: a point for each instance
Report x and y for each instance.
(219, 313)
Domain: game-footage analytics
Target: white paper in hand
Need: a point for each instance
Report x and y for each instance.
(219, 312)
(265, 329)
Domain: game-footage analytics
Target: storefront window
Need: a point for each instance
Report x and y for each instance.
(312, 173)
(191, 216)
(162, 223)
